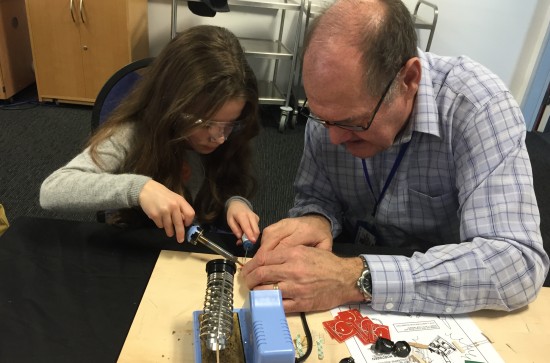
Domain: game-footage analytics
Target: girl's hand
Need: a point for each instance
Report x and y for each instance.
(167, 209)
(241, 219)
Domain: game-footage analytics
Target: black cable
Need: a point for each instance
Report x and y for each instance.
(18, 106)
(309, 339)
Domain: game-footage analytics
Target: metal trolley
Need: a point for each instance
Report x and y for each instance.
(274, 50)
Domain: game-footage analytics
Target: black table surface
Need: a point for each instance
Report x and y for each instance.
(69, 290)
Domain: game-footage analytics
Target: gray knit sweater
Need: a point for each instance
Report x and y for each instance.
(81, 186)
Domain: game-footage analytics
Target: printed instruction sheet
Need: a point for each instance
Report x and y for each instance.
(433, 338)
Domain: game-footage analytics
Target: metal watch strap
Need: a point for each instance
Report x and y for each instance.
(364, 282)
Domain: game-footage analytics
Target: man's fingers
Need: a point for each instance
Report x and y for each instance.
(265, 268)
(272, 236)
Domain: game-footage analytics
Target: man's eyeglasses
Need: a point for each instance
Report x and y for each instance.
(343, 125)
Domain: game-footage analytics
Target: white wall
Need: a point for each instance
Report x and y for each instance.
(504, 35)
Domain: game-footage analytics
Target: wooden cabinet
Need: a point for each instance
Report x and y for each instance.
(16, 70)
(78, 44)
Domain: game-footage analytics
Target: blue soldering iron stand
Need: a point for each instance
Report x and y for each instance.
(264, 329)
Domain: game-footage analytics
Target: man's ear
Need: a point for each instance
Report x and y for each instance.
(412, 73)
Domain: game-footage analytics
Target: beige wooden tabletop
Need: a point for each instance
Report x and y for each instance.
(162, 330)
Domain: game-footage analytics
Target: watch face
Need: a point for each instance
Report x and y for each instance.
(364, 284)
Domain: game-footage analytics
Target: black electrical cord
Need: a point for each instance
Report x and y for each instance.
(18, 106)
(309, 339)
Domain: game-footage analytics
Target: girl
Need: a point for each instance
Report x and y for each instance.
(178, 147)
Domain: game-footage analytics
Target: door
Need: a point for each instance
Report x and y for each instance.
(56, 48)
(105, 41)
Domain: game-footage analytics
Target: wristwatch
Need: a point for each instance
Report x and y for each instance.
(364, 282)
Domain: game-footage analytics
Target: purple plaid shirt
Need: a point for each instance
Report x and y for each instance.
(464, 191)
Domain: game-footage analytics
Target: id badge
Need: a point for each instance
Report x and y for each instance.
(365, 233)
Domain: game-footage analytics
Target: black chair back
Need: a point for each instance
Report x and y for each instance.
(115, 89)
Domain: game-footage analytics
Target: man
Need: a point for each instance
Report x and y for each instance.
(411, 151)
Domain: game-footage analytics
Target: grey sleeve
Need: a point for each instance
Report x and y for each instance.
(83, 186)
(240, 199)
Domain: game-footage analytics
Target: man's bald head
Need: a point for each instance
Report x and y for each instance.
(382, 32)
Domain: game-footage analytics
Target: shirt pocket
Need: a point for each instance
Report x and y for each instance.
(436, 214)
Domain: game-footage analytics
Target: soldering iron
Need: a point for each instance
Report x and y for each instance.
(195, 235)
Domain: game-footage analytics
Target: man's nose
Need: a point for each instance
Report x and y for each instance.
(338, 135)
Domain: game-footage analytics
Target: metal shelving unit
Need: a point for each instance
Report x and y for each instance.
(420, 23)
(271, 49)
(313, 9)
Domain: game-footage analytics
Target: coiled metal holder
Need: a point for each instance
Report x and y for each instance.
(216, 325)
(257, 333)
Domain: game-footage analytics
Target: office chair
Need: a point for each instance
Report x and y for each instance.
(115, 89)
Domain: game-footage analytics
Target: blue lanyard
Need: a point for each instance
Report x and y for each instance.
(396, 163)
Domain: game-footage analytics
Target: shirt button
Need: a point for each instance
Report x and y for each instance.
(449, 310)
(389, 306)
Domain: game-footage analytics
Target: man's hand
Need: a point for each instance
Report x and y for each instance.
(241, 219)
(310, 230)
(167, 209)
(310, 279)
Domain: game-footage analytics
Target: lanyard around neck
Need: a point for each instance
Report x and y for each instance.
(396, 163)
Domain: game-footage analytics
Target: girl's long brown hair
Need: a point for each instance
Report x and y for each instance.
(195, 74)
